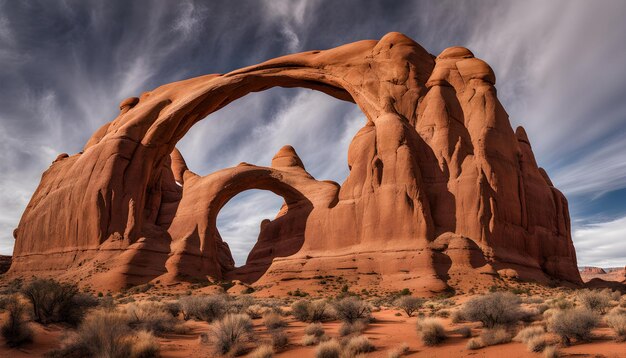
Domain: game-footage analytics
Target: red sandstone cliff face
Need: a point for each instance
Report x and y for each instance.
(440, 186)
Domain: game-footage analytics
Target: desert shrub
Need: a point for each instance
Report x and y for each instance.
(144, 345)
(54, 301)
(537, 343)
(594, 300)
(358, 345)
(617, 321)
(309, 340)
(300, 310)
(409, 304)
(256, 311)
(205, 308)
(280, 339)
(457, 316)
(464, 331)
(352, 309)
(529, 332)
(272, 320)
(499, 308)
(319, 311)
(230, 333)
(314, 329)
(551, 352)
(561, 303)
(16, 330)
(356, 327)
(241, 304)
(329, 349)
(173, 308)
(263, 351)
(494, 336)
(151, 316)
(307, 311)
(474, 344)
(573, 323)
(431, 331)
(107, 334)
(398, 352)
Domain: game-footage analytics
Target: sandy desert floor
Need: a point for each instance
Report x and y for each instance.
(389, 329)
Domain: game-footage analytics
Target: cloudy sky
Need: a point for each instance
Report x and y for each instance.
(561, 69)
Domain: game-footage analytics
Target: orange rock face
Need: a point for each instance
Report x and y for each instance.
(441, 189)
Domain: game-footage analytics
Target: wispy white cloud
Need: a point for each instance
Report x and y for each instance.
(290, 15)
(601, 244)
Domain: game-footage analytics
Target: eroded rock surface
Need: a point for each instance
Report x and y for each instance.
(441, 189)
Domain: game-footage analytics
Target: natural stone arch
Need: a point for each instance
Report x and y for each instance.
(437, 157)
(197, 247)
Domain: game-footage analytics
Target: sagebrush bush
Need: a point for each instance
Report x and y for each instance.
(205, 308)
(358, 345)
(474, 344)
(409, 304)
(241, 304)
(173, 308)
(328, 349)
(300, 310)
(273, 320)
(309, 340)
(262, 351)
(537, 343)
(551, 352)
(145, 345)
(107, 334)
(494, 336)
(398, 352)
(307, 311)
(54, 301)
(280, 340)
(230, 333)
(617, 321)
(314, 329)
(598, 301)
(498, 308)
(16, 330)
(347, 329)
(257, 311)
(527, 333)
(431, 331)
(352, 309)
(151, 316)
(457, 316)
(574, 323)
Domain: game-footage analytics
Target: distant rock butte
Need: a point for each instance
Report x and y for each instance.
(441, 192)
(617, 274)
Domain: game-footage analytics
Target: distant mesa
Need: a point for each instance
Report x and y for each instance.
(442, 193)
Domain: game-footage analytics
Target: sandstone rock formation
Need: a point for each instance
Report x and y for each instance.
(441, 189)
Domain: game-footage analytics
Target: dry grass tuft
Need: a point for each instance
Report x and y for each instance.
(499, 308)
(528, 333)
(616, 319)
(573, 323)
(494, 336)
(431, 331)
(358, 345)
(474, 343)
(16, 330)
(230, 333)
(399, 351)
(329, 349)
(263, 351)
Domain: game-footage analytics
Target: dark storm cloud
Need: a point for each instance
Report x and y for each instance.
(65, 65)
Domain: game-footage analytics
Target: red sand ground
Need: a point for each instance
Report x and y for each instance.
(388, 332)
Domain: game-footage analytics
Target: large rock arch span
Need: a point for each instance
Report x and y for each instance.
(439, 185)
